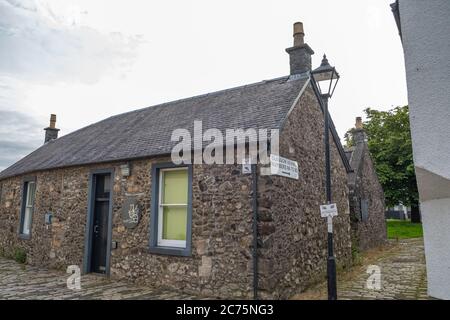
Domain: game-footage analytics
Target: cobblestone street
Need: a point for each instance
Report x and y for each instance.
(26, 282)
(402, 265)
(403, 275)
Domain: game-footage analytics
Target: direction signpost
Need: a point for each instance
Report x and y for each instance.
(329, 211)
(283, 167)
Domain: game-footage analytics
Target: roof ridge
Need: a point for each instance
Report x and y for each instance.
(171, 102)
(198, 96)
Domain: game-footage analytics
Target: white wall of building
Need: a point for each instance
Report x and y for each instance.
(436, 222)
(425, 27)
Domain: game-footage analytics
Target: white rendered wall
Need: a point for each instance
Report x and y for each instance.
(425, 27)
(436, 222)
(426, 42)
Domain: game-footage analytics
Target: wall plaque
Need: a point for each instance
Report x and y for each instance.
(131, 212)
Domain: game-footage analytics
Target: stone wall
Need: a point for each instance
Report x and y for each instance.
(293, 234)
(62, 192)
(220, 265)
(372, 232)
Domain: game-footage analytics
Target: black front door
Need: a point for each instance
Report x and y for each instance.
(101, 200)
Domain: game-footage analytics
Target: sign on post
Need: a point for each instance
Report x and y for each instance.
(283, 167)
(328, 210)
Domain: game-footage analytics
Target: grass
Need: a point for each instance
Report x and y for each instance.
(20, 255)
(403, 229)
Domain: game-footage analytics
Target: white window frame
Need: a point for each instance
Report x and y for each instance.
(27, 206)
(166, 242)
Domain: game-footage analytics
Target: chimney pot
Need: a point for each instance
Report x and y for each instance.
(53, 121)
(299, 34)
(359, 136)
(358, 124)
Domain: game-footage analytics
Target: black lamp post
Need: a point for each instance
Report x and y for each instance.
(326, 77)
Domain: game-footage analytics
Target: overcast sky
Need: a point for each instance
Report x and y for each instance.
(86, 60)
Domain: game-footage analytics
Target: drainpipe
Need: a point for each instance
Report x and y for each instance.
(255, 231)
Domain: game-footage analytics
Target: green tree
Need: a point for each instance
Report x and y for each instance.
(389, 140)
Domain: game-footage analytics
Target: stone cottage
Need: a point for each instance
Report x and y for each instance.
(367, 209)
(109, 199)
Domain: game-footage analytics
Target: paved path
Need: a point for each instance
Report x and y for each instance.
(403, 275)
(31, 283)
(402, 267)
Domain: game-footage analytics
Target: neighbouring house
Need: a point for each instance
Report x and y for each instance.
(367, 210)
(424, 28)
(109, 199)
(399, 212)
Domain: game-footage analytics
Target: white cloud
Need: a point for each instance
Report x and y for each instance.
(39, 45)
(19, 135)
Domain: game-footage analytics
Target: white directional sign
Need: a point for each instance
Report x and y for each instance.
(246, 166)
(283, 167)
(328, 210)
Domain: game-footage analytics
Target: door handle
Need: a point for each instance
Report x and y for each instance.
(96, 229)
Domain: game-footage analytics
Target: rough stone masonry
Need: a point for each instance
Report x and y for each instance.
(292, 236)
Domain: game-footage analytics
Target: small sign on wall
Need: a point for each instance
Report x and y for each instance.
(48, 218)
(283, 167)
(246, 166)
(131, 212)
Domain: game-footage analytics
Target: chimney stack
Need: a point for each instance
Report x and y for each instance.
(300, 53)
(51, 133)
(359, 136)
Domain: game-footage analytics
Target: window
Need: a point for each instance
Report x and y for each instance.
(28, 197)
(172, 213)
(364, 210)
(171, 210)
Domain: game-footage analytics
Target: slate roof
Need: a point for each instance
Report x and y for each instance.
(147, 132)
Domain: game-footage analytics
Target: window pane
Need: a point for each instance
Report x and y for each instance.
(174, 223)
(102, 185)
(27, 221)
(175, 187)
(30, 193)
(107, 182)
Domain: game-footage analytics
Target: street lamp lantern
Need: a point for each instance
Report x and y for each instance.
(326, 77)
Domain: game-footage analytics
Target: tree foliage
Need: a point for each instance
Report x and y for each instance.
(389, 140)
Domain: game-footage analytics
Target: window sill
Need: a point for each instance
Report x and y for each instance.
(24, 236)
(171, 251)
